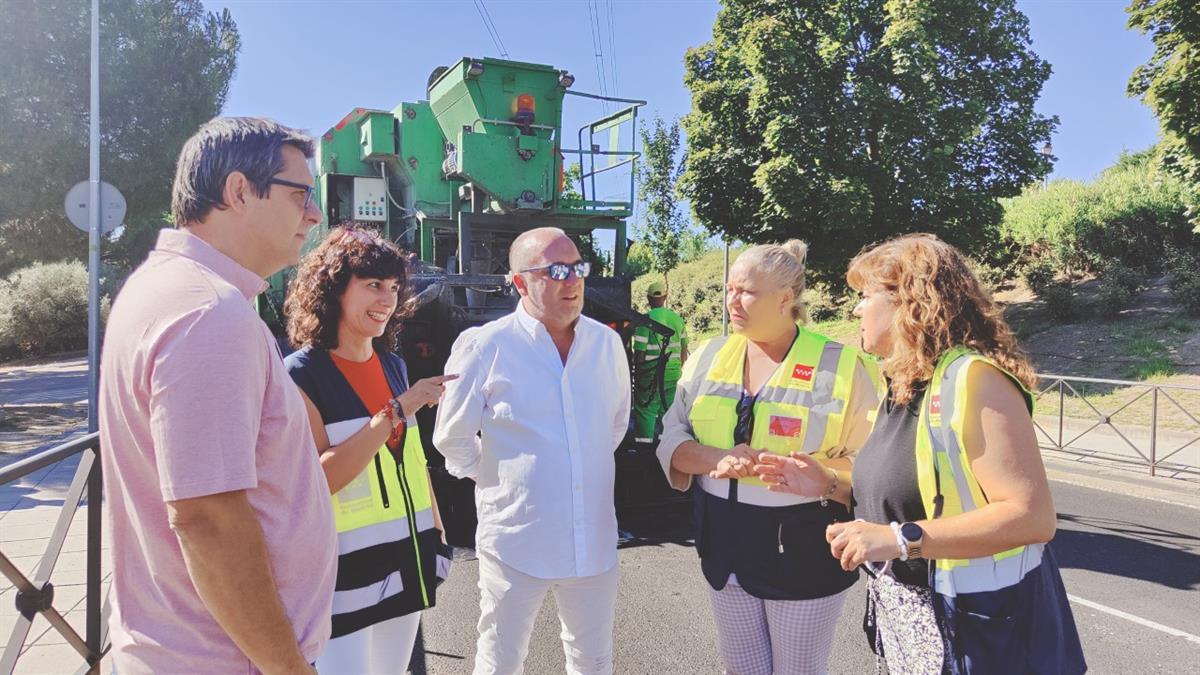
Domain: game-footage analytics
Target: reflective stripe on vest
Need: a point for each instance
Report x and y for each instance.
(801, 408)
(368, 512)
(939, 435)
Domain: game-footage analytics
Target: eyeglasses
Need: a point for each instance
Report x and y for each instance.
(561, 271)
(309, 190)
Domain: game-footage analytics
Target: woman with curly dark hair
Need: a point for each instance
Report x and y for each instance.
(344, 311)
(952, 503)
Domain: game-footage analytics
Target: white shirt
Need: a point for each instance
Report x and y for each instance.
(543, 459)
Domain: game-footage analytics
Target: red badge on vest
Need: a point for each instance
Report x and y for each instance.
(935, 405)
(790, 427)
(802, 372)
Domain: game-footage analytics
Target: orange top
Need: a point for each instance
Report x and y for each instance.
(367, 380)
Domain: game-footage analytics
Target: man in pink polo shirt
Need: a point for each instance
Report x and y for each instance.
(223, 541)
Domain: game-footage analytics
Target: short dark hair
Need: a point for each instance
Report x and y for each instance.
(313, 306)
(250, 145)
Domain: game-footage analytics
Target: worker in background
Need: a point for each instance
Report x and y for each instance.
(648, 346)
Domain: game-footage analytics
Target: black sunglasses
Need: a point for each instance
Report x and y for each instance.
(560, 271)
(309, 190)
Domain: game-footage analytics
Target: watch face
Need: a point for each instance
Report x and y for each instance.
(912, 532)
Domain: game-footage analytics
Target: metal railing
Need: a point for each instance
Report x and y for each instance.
(1149, 451)
(36, 596)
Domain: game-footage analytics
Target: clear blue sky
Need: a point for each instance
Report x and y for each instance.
(307, 63)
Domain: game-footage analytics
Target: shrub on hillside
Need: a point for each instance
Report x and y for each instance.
(1056, 291)
(990, 276)
(47, 308)
(822, 303)
(8, 341)
(1130, 213)
(1039, 275)
(638, 260)
(1118, 285)
(1183, 278)
(696, 290)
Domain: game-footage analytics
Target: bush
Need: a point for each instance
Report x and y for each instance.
(696, 291)
(1057, 292)
(1130, 213)
(991, 277)
(1039, 275)
(1118, 285)
(638, 260)
(8, 341)
(47, 308)
(1183, 277)
(822, 303)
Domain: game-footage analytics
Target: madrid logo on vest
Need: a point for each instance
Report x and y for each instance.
(802, 372)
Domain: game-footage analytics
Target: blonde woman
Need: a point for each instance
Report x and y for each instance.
(951, 473)
(770, 395)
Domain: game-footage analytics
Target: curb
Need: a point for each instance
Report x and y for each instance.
(1120, 481)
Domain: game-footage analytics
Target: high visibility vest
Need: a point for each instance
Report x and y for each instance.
(801, 408)
(387, 542)
(650, 342)
(944, 467)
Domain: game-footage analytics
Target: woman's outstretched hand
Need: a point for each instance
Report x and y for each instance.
(799, 474)
(738, 463)
(425, 392)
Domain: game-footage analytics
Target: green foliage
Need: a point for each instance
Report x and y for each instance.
(991, 276)
(46, 309)
(570, 195)
(1183, 276)
(1056, 291)
(697, 293)
(844, 122)
(165, 69)
(1169, 83)
(638, 260)
(658, 175)
(693, 245)
(1118, 285)
(1039, 275)
(1128, 214)
(826, 303)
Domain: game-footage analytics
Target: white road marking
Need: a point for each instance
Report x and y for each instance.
(1136, 619)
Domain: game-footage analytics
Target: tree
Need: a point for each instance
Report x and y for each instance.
(844, 122)
(165, 69)
(1170, 84)
(658, 175)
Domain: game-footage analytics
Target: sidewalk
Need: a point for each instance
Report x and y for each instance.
(29, 510)
(1088, 442)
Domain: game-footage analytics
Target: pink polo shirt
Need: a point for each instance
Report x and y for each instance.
(195, 400)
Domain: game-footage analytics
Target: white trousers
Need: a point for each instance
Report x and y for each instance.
(508, 605)
(784, 637)
(384, 648)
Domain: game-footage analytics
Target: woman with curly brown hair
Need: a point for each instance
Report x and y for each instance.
(344, 310)
(952, 503)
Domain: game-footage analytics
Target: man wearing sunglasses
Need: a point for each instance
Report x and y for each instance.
(214, 492)
(540, 406)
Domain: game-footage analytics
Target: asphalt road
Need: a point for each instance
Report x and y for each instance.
(1119, 552)
(60, 382)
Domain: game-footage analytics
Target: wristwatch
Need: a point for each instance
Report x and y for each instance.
(914, 536)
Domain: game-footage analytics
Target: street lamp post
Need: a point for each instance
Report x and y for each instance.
(1047, 151)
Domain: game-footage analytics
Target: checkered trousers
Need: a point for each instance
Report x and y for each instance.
(780, 637)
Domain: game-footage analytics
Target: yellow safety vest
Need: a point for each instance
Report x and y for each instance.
(943, 466)
(383, 503)
(801, 408)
